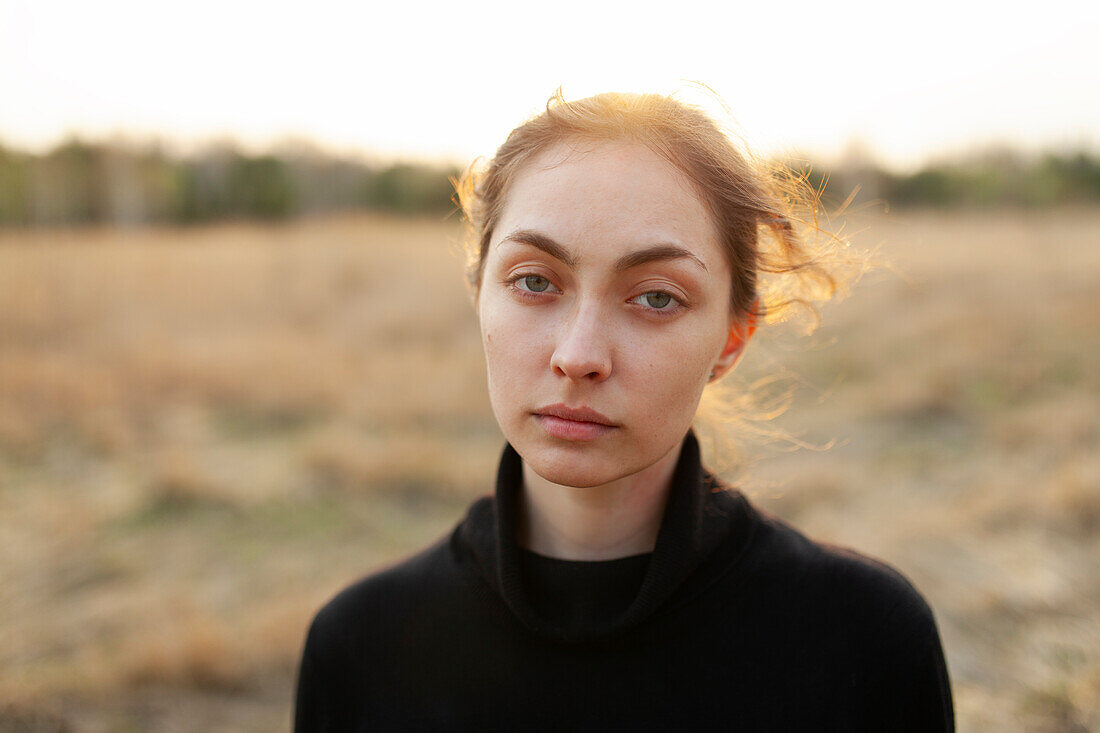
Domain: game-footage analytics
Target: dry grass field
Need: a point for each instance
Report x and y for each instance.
(205, 433)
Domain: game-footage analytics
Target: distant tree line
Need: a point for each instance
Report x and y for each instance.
(993, 178)
(83, 182)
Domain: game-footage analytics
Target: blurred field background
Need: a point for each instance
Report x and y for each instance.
(205, 432)
(236, 347)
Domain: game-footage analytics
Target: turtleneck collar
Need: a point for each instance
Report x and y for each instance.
(706, 525)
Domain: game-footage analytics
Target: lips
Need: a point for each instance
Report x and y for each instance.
(576, 414)
(575, 424)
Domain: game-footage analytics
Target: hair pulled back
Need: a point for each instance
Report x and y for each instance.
(756, 209)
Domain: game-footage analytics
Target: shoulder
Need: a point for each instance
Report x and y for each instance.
(838, 583)
(863, 617)
(355, 634)
(366, 610)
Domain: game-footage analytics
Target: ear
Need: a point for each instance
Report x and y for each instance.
(740, 331)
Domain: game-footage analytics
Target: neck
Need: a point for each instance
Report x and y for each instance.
(615, 520)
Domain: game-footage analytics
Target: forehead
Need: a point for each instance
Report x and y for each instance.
(607, 197)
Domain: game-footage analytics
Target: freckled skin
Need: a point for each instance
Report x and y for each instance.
(589, 340)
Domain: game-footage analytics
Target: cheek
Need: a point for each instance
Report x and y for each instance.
(676, 364)
(496, 371)
(673, 373)
(511, 346)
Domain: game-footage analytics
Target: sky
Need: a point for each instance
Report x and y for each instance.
(426, 80)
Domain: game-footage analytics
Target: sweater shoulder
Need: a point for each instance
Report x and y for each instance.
(387, 593)
(838, 580)
(862, 615)
(356, 638)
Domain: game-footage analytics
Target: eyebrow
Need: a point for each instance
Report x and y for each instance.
(655, 253)
(538, 240)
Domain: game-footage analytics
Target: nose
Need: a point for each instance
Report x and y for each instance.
(583, 349)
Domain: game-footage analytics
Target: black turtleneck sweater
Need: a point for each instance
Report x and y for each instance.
(734, 622)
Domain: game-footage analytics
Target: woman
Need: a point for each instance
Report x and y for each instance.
(611, 582)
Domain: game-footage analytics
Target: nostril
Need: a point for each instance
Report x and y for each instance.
(582, 351)
(581, 369)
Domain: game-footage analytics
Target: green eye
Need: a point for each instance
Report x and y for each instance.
(657, 300)
(536, 283)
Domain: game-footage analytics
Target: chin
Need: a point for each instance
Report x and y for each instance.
(579, 465)
(571, 475)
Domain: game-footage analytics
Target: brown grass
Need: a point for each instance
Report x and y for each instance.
(205, 433)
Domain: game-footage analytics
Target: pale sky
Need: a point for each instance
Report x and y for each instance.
(450, 79)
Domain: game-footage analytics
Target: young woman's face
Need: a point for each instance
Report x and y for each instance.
(604, 307)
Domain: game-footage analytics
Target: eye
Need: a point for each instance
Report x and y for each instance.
(657, 300)
(533, 283)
